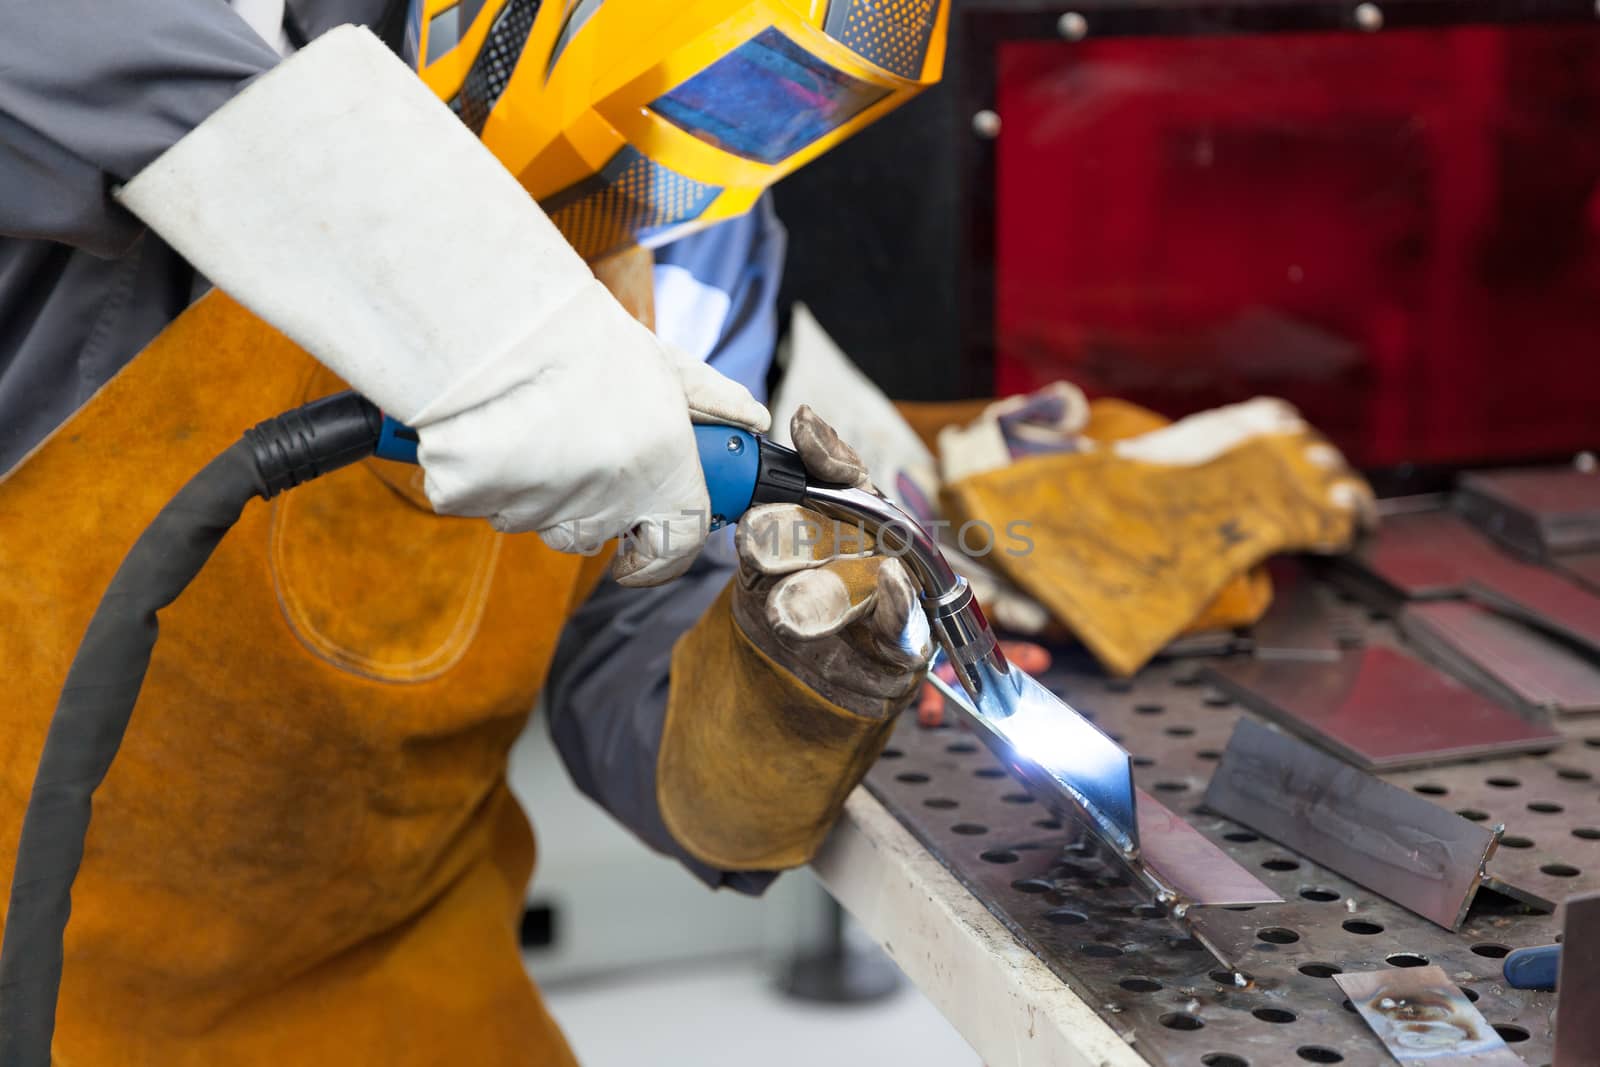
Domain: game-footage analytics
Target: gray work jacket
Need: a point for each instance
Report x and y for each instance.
(91, 93)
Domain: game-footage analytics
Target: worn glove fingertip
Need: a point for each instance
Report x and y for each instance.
(824, 453)
(898, 620)
(811, 604)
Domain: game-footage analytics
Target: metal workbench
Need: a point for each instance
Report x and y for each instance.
(1041, 953)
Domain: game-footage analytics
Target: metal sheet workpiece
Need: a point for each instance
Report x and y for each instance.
(1578, 986)
(1539, 512)
(1503, 657)
(1422, 1018)
(1423, 555)
(1381, 708)
(1197, 871)
(1391, 841)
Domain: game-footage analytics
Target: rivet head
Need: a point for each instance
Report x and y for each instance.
(1072, 26)
(1369, 17)
(736, 445)
(986, 124)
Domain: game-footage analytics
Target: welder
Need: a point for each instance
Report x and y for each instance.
(306, 851)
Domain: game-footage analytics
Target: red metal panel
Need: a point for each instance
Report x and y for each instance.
(1398, 232)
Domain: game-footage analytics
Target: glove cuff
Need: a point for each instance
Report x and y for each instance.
(341, 202)
(754, 765)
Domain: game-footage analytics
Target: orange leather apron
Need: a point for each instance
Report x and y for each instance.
(305, 852)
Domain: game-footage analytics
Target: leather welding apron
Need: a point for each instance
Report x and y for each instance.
(305, 852)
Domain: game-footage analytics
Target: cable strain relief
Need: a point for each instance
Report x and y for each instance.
(313, 439)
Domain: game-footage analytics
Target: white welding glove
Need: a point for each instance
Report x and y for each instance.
(345, 205)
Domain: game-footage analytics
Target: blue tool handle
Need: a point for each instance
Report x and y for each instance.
(740, 468)
(1533, 968)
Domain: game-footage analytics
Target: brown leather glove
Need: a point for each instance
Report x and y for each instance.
(785, 691)
(814, 596)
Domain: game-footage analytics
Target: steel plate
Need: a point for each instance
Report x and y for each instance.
(1381, 836)
(1539, 512)
(1380, 708)
(1421, 1017)
(1578, 1022)
(1503, 657)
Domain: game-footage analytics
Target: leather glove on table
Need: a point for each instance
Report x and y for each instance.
(341, 202)
(785, 692)
(1133, 538)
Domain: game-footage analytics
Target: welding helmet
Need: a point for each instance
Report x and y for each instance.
(638, 121)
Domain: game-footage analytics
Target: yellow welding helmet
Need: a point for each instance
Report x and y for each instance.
(638, 121)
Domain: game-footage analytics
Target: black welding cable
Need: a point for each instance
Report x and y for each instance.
(103, 685)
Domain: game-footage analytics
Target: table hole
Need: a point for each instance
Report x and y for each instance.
(1431, 789)
(1587, 833)
(1177, 1020)
(1281, 864)
(1179, 731)
(1224, 1059)
(941, 803)
(1223, 976)
(1017, 798)
(1491, 950)
(891, 753)
(961, 748)
(1048, 824)
(1364, 927)
(1140, 985)
(1192, 679)
(1149, 709)
(1319, 894)
(1510, 1034)
(1143, 761)
(1171, 787)
(1320, 970)
(1572, 774)
(999, 855)
(1238, 907)
(1274, 1015)
(1592, 742)
(1319, 1053)
(1032, 885)
(1242, 837)
(1149, 911)
(1544, 807)
(912, 778)
(970, 829)
(1065, 917)
(989, 772)
(1278, 935)
(1499, 782)
(1405, 959)
(1560, 870)
(1516, 841)
(1217, 700)
(1349, 1007)
(1119, 685)
(1471, 994)
(1210, 755)
(1474, 814)
(1096, 950)
(1114, 737)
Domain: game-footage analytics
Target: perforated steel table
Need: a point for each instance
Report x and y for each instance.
(947, 834)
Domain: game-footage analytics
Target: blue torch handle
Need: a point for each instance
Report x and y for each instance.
(729, 456)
